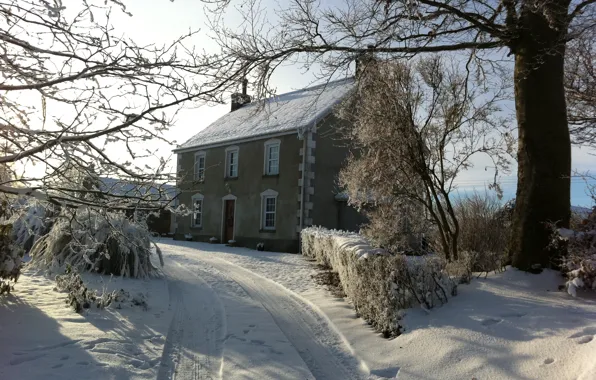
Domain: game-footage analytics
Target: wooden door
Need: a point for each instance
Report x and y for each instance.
(229, 220)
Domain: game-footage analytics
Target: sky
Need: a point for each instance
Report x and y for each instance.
(160, 21)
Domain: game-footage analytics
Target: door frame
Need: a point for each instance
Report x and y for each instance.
(229, 197)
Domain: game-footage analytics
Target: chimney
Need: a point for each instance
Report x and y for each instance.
(240, 99)
(363, 59)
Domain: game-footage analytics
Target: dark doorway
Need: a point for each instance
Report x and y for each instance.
(229, 220)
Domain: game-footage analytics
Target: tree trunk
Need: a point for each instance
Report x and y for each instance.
(544, 152)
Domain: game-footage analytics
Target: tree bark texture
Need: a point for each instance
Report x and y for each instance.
(544, 152)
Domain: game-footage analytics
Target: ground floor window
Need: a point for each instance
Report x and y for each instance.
(269, 208)
(197, 210)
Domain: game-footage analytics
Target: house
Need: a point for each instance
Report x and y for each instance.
(265, 170)
(142, 194)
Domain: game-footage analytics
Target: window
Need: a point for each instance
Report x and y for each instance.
(197, 210)
(269, 216)
(272, 157)
(269, 208)
(231, 162)
(200, 166)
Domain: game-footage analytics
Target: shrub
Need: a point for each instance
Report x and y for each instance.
(380, 285)
(483, 233)
(80, 297)
(580, 263)
(107, 243)
(32, 220)
(10, 259)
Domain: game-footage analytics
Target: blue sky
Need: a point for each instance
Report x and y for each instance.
(160, 21)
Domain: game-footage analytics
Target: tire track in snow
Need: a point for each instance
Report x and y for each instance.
(320, 346)
(193, 349)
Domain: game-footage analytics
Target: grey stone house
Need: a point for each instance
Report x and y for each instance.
(266, 170)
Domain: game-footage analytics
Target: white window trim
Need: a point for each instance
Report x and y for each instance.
(228, 150)
(229, 197)
(197, 155)
(197, 197)
(264, 195)
(269, 143)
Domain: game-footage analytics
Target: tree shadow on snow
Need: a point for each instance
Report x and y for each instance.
(34, 348)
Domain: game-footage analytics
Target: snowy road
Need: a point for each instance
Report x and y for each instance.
(231, 323)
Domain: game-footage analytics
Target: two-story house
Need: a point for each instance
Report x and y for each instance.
(265, 170)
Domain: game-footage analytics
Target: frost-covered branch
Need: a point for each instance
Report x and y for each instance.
(416, 128)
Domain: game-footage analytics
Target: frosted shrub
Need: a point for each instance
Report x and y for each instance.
(10, 259)
(580, 263)
(106, 243)
(80, 297)
(380, 285)
(32, 220)
(483, 236)
(482, 227)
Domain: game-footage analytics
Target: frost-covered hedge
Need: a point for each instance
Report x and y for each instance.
(380, 285)
(99, 242)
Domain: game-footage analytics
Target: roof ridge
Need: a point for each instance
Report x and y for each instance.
(336, 81)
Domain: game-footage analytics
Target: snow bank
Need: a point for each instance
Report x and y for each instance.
(379, 285)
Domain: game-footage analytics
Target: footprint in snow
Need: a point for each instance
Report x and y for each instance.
(490, 321)
(585, 339)
(584, 332)
(513, 315)
(549, 361)
(22, 359)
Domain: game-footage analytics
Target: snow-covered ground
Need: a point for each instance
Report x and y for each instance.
(42, 338)
(234, 313)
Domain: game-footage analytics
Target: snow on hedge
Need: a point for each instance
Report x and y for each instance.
(106, 243)
(380, 285)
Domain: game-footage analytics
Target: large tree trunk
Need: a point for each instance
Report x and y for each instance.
(544, 153)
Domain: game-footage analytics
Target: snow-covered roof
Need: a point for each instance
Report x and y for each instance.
(150, 191)
(281, 113)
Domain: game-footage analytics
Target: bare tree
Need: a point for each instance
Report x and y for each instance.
(580, 86)
(73, 92)
(415, 128)
(531, 33)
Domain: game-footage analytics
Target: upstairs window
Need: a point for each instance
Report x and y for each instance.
(272, 157)
(269, 208)
(200, 166)
(231, 162)
(197, 210)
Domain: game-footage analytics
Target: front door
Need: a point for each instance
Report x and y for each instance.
(229, 220)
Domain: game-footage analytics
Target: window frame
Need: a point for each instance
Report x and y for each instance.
(267, 156)
(197, 198)
(201, 154)
(265, 195)
(229, 151)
